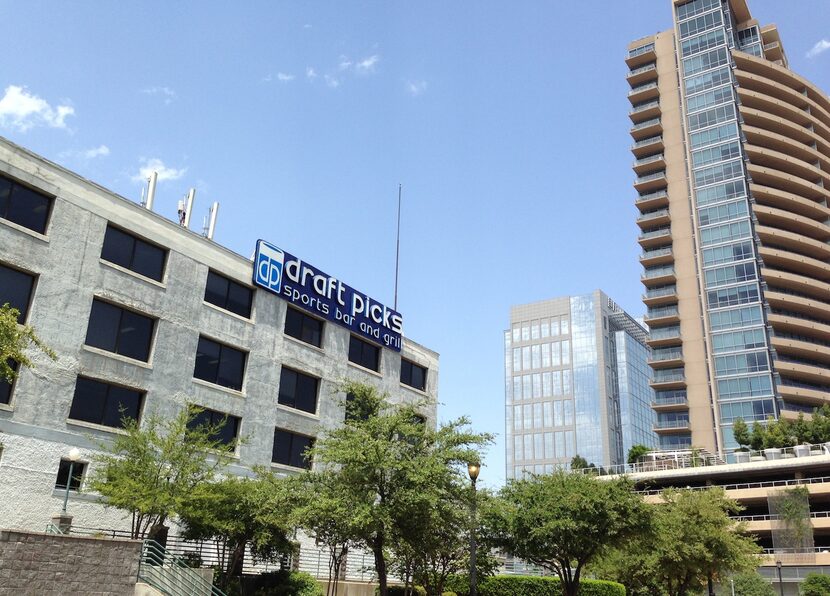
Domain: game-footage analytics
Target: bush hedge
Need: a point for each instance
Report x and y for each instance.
(525, 585)
(815, 584)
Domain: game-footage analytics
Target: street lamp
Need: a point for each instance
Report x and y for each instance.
(74, 455)
(780, 581)
(473, 468)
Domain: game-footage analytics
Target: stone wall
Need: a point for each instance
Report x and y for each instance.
(53, 565)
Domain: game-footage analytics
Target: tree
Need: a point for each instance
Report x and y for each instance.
(563, 521)
(236, 514)
(741, 432)
(153, 469)
(815, 584)
(391, 467)
(15, 341)
(579, 463)
(752, 584)
(636, 452)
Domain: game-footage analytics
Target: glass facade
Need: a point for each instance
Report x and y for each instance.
(733, 297)
(578, 385)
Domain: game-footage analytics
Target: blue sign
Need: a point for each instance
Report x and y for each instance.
(325, 296)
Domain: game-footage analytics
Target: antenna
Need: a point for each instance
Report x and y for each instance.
(398, 248)
(205, 226)
(142, 201)
(214, 212)
(180, 209)
(151, 190)
(188, 208)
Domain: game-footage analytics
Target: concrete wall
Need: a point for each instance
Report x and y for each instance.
(48, 564)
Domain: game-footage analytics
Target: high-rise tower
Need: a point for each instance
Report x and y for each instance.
(732, 158)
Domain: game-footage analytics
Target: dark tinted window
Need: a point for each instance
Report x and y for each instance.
(133, 253)
(119, 330)
(220, 364)
(413, 375)
(303, 327)
(228, 294)
(23, 205)
(16, 289)
(6, 387)
(289, 449)
(226, 426)
(363, 353)
(63, 475)
(298, 390)
(102, 403)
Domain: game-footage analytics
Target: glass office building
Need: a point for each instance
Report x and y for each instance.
(732, 171)
(576, 383)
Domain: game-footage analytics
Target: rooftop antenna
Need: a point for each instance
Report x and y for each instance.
(185, 208)
(151, 190)
(398, 248)
(142, 201)
(209, 225)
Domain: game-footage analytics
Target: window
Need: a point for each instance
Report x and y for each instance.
(710, 117)
(220, 364)
(705, 61)
(229, 295)
(225, 427)
(5, 386)
(413, 375)
(290, 448)
(78, 469)
(741, 317)
(101, 403)
(303, 327)
(724, 132)
(298, 390)
(723, 212)
(16, 289)
(131, 253)
(119, 330)
(24, 206)
(732, 296)
(364, 354)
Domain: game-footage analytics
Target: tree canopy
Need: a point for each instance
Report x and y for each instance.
(785, 432)
(15, 341)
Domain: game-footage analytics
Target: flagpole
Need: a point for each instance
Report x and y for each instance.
(398, 248)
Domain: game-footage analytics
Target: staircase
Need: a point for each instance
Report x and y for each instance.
(171, 575)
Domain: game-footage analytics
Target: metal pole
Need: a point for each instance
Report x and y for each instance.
(780, 580)
(732, 581)
(68, 482)
(473, 579)
(398, 248)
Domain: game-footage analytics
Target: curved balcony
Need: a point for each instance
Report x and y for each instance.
(660, 296)
(784, 127)
(786, 220)
(787, 201)
(793, 262)
(652, 200)
(802, 349)
(785, 145)
(657, 256)
(654, 219)
(796, 243)
(662, 315)
(802, 372)
(800, 304)
(643, 92)
(782, 109)
(796, 283)
(649, 128)
(782, 162)
(803, 395)
(641, 55)
(647, 146)
(658, 276)
(789, 323)
(650, 163)
(787, 182)
(761, 84)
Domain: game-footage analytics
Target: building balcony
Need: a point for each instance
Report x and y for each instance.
(650, 182)
(643, 92)
(799, 225)
(649, 128)
(666, 358)
(783, 144)
(787, 201)
(802, 394)
(642, 74)
(650, 163)
(662, 315)
(668, 401)
(785, 260)
(797, 243)
(664, 337)
(660, 296)
(797, 283)
(657, 256)
(784, 162)
(797, 347)
(672, 426)
(641, 55)
(658, 276)
(796, 324)
(652, 200)
(645, 111)
(672, 378)
(780, 300)
(655, 238)
(647, 146)
(788, 183)
(798, 371)
(654, 219)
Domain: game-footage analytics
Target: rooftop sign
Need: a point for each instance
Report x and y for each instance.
(325, 296)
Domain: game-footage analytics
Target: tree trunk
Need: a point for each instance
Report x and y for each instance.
(380, 566)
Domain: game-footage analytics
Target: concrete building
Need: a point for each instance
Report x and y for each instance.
(576, 382)
(733, 178)
(147, 317)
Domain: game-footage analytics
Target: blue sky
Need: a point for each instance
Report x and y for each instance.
(506, 124)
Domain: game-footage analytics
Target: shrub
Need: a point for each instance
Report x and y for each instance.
(401, 591)
(524, 585)
(815, 584)
(278, 583)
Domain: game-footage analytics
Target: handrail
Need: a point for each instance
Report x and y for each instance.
(53, 529)
(770, 517)
(170, 574)
(647, 141)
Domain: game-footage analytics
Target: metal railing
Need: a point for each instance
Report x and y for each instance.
(640, 88)
(663, 311)
(646, 124)
(649, 140)
(650, 177)
(750, 518)
(665, 333)
(647, 160)
(644, 106)
(653, 215)
(657, 194)
(666, 354)
(649, 47)
(668, 376)
(53, 529)
(647, 67)
(671, 424)
(170, 574)
(675, 400)
(655, 233)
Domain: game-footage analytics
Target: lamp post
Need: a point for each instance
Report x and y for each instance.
(780, 580)
(74, 455)
(473, 468)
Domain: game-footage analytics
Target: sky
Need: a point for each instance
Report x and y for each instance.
(505, 123)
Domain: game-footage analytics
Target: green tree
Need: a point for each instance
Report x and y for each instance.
(636, 452)
(579, 463)
(751, 584)
(563, 521)
(235, 513)
(391, 466)
(153, 469)
(15, 342)
(741, 432)
(815, 584)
